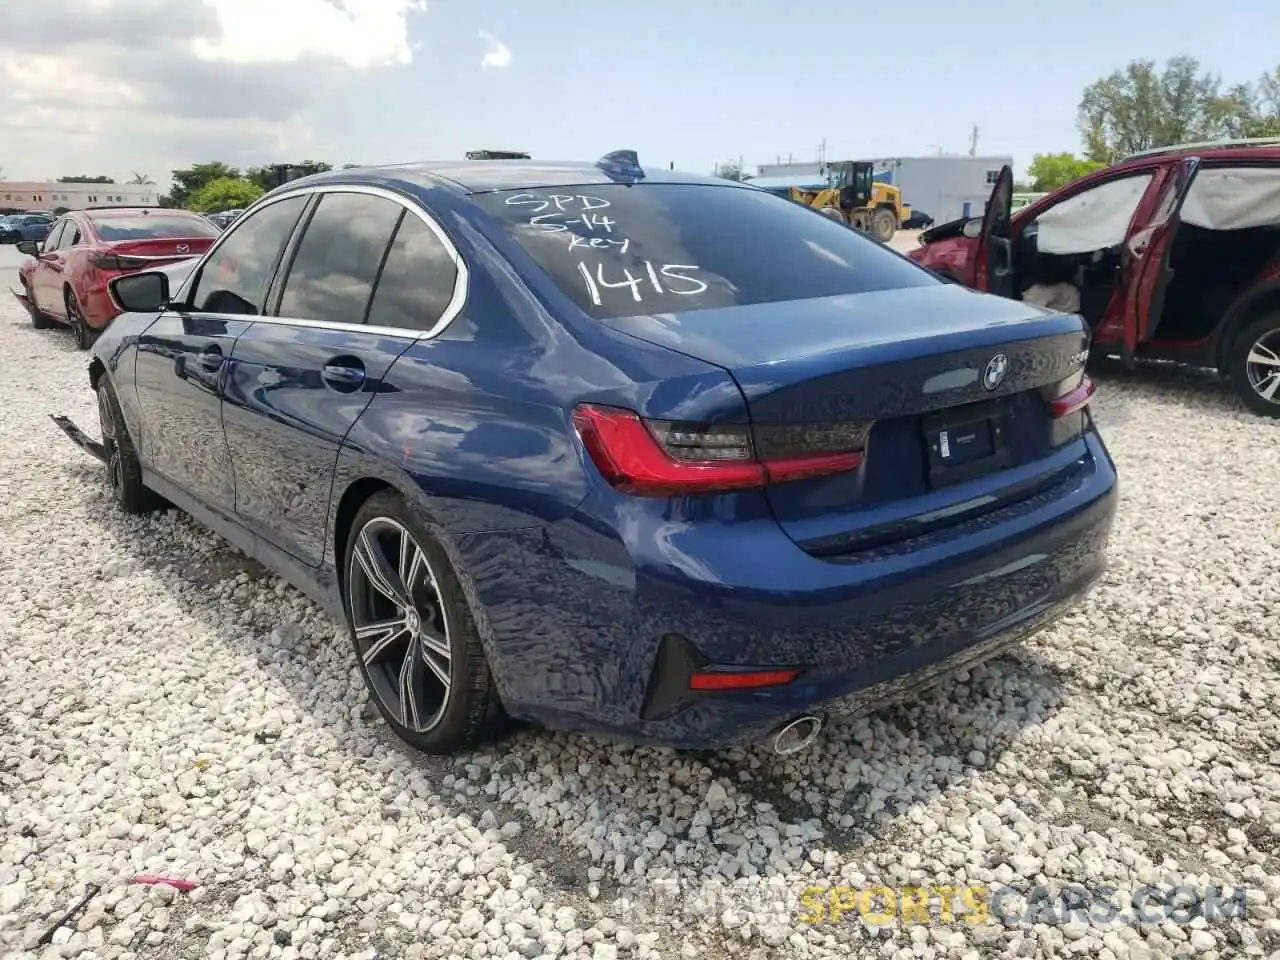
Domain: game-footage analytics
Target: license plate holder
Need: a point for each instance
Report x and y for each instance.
(964, 443)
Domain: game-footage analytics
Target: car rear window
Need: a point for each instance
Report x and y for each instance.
(152, 225)
(621, 250)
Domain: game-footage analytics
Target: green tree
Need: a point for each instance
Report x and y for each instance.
(189, 181)
(729, 171)
(1049, 171)
(225, 193)
(85, 179)
(1141, 107)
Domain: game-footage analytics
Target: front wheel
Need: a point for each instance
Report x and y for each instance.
(415, 640)
(884, 223)
(1255, 366)
(38, 320)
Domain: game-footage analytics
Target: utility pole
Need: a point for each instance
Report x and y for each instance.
(973, 141)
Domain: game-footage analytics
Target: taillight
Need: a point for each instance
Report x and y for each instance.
(657, 458)
(114, 261)
(1070, 395)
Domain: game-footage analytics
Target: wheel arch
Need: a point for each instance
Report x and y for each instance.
(356, 492)
(353, 498)
(1258, 303)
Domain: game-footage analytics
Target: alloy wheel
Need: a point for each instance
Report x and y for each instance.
(400, 624)
(1262, 366)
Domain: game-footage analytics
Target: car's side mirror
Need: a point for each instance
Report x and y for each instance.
(29, 247)
(141, 292)
(973, 228)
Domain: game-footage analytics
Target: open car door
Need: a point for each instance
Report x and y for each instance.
(993, 262)
(1146, 254)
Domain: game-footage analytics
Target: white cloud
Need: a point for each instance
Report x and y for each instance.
(180, 81)
(498, 54)
(358, 33)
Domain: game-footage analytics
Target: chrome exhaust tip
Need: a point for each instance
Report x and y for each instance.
(794, 736)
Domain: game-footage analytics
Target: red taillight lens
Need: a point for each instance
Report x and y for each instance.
(741, 679)
(1072, 396)
(664, 459)
(112, 261)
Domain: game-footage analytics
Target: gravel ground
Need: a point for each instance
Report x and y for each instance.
(166, 707)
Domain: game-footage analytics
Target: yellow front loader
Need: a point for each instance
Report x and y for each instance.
(855, 197)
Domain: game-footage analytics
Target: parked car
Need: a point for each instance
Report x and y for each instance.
(919, 220)
(1173, 254)
(66, 279)
(556, 444)
(25, 226)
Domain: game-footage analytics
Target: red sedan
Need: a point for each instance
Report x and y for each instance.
(65, 281)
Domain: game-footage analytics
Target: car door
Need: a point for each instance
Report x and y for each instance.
(993, 257)
(1147, 251)
(46, 277)
(297, 381)
(180, 359)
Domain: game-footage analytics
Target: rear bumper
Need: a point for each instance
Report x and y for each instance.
(576, 644)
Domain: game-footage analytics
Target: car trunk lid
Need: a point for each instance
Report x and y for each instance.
(149, 253)
(950, 387)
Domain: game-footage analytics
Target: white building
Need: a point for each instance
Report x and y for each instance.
(944, 187)
(941, 185)
(18, 196)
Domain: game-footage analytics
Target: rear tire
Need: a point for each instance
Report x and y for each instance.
(124, 471)
(85, 335)
(884, 224)
(38, 320)
(1255, 366)
(407, 648)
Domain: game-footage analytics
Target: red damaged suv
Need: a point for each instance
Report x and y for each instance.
(65, 281)
(1173, 254)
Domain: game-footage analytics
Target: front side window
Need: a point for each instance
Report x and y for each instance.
(235, 277)
(337, 261)
(51, 239)
(619, 250)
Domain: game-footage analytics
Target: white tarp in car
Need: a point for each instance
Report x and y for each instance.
(1093, 220)
(1233, 198)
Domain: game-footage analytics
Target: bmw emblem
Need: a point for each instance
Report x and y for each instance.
(997, 367)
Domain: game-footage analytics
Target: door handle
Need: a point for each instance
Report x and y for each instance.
(343, 374)
(211, 357)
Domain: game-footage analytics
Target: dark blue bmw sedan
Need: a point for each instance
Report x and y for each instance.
(609, 449)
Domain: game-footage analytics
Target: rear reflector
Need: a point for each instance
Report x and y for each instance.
(1073, 400)
(664, 459)
(740, 679)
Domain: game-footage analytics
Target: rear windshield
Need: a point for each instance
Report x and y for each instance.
(152, 225)
(621, 250)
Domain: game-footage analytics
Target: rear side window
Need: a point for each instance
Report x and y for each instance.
(235, 277)
(418, 280)
(152, 226)
(620, 250)
(337, 261)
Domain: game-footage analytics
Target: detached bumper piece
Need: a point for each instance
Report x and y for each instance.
(681, 674)
(82, 439)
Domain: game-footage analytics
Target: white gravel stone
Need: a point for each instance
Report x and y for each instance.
(168, 708)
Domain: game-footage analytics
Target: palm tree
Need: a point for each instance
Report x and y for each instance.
(141, 178)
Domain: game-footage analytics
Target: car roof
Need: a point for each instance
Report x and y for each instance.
(1208, 152)
(485, 176)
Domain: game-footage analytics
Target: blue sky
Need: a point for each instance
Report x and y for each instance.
(693, 82)
(700, 81)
